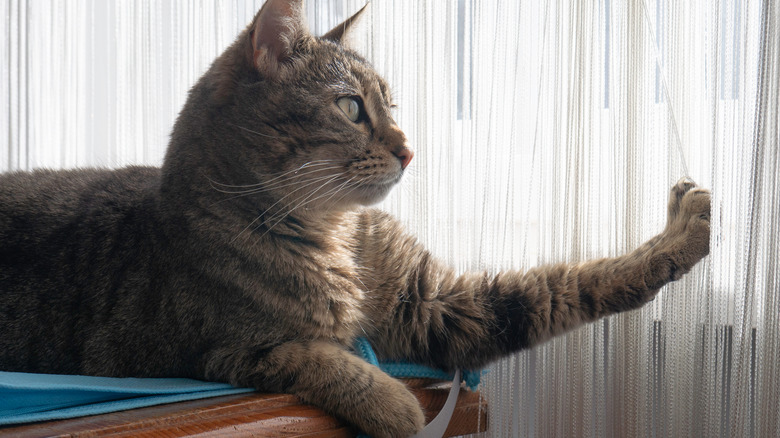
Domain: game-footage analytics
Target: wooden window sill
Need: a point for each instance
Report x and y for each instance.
(255, 414)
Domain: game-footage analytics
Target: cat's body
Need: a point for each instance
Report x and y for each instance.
(248, 259)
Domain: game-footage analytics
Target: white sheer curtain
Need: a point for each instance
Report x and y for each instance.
(545, 131)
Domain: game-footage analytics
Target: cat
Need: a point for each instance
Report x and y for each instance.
(253, 256)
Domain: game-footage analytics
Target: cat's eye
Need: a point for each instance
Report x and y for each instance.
(352, 107)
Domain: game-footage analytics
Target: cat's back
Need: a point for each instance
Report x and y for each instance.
(48, 190)
(56, 220)
(73, 244)
(35, 205)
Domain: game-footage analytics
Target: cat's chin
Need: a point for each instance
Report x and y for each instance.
(370, 194)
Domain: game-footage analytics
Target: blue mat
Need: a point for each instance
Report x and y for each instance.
(26, 397)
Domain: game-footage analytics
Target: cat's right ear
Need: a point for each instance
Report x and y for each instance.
(279, 29)
(340, 33)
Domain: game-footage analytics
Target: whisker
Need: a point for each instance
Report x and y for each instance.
(306, 180)
(332, 192)
(306, 165)
(346, 193)
(304, 201)
(282, 175)
(339, 188)
(240, 194)
(277, 184)
(309, 183)
(254, 132)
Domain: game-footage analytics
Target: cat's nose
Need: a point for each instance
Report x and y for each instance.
(405, 155)
(395, 141)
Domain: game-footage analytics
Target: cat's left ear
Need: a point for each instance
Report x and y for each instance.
(277, 31)
(339, 33)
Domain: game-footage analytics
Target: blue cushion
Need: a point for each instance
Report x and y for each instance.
(26, 397)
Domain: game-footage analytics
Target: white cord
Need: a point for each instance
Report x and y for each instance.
(437, 426)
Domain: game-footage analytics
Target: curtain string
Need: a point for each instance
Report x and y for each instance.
(667, 95)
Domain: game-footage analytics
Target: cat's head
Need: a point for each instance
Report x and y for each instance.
(291, 117)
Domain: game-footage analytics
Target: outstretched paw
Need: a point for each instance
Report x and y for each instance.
(676, 194)
(687, 234)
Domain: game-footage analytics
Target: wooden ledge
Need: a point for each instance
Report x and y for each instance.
(254, 414)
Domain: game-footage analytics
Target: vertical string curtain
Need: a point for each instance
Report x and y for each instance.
(545, 131)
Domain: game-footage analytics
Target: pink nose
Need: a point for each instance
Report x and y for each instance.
(405, 155)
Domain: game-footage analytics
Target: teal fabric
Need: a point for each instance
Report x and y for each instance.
(26, 397)
(404, 369)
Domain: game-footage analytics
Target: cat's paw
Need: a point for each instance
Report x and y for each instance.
(676, 194)
(686, 239)
(390, 411)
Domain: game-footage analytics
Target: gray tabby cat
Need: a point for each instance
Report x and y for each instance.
(249, 257)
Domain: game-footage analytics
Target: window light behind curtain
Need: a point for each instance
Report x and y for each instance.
(545, 131)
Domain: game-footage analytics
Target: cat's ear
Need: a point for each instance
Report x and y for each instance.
(339, 33)
(277, 31)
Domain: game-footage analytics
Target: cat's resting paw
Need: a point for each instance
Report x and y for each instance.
(392, 411)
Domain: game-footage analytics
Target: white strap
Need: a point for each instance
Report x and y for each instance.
(437, 426)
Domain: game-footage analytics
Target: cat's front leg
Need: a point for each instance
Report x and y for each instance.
(429, 314)
(327, 376)
(555, 299)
